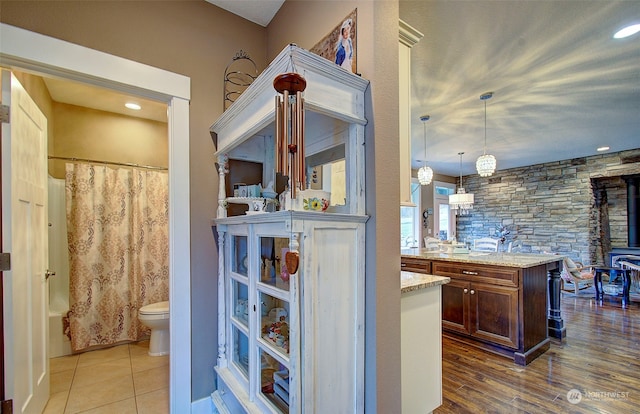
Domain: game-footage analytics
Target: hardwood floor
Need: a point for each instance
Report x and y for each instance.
(600, 358)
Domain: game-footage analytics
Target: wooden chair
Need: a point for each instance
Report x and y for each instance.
(485, 244)
(576, 277)
(431, 243)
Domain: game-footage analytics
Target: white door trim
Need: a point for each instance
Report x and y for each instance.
(28, 51)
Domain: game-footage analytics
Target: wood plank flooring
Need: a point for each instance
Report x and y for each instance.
(600, 358)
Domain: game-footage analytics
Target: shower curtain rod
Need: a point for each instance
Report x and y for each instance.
(124, 164)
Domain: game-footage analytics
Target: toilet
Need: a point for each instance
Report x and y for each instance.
(156, 317)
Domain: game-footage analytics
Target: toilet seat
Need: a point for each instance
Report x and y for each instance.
(159, 309)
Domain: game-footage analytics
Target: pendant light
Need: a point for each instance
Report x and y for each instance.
(425, 173)
(486, 164)
(461, 202)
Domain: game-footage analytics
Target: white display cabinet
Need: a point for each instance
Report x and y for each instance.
(334, 132)
(293, 342)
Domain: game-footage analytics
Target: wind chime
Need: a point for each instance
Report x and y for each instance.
(290, 129)
(290, 145)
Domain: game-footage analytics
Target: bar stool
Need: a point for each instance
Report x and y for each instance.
(613, 273)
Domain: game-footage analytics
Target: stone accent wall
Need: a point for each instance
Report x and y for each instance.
(550, 207)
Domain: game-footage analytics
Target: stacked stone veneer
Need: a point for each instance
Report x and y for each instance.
(550, 207)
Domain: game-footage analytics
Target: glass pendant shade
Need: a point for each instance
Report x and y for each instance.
(486, 165)
(425, 175)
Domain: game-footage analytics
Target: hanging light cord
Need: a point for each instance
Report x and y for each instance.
(485, 127)
(424, 119)
(460, 154)
(484, 97)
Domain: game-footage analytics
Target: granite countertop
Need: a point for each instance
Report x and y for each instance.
(520, 260)
(410, 281)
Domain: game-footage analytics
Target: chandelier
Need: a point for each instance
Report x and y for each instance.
(486, 164)
(425, 173)
(461, 202)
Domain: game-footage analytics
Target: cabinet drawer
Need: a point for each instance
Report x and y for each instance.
(410, 264)
(497, 275)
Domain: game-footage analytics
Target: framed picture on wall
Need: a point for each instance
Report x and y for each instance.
(339, 46)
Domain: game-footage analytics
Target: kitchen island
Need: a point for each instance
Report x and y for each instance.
(497, 301)
(421, 337)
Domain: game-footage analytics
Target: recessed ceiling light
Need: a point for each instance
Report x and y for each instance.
(603, 148)
(627, 31)
(133, 106)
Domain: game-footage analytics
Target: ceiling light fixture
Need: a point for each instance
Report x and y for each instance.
(133, 106)
(425, 173)
(486, 164)
(461, 202)
(603, 148)
(627, 31)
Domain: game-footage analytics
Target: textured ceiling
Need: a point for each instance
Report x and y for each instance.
(562, 85)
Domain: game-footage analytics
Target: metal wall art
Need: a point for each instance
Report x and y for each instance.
(238, 75)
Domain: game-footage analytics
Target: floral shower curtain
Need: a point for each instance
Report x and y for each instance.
(118, 250)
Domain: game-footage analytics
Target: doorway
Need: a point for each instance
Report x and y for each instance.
(444, 222)
(25, 50)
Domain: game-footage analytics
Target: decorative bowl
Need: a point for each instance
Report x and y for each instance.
(315, 200)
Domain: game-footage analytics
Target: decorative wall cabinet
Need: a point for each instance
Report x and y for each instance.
(292, 340)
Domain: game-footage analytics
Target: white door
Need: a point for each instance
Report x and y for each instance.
(24, 215)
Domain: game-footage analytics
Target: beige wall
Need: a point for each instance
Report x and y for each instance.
(104, 136)
(196, 39)
(192, 38)
(305, 23)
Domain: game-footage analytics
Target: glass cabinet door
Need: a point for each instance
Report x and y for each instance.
(273, 299)
(239, 255)
(240, 302)
(240, 346)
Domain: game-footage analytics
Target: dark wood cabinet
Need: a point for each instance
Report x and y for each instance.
(487, 312)
(493, 313)
(455, 315)
(502, 309)
(409, 264)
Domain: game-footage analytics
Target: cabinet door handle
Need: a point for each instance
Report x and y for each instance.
(466, 272)
(466, 290)
(403, 265)
(473, 292)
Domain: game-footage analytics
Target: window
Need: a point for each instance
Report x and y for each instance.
(410, 219)
(443, 218)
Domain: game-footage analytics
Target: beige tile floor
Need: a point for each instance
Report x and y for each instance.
(123, 379)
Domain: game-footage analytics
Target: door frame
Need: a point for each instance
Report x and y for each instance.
(440, 199)
(43, 55)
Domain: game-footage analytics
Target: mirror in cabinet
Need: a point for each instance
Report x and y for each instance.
(330, 148)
